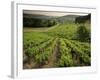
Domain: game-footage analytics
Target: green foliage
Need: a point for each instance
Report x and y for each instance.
(83, 19)
(80, 51)
(65, 30)
(83, 34)
(74, 45)
(66, 57)
(38, 22)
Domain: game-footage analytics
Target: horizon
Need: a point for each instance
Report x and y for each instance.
(53, 14)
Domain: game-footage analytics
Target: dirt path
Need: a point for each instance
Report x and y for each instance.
(28, 63)
(45, 29)
(53, 58)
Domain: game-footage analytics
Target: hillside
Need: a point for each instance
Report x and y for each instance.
(33, 20)
(67, 18)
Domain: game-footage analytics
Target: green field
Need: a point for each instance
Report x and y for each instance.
(62, 45)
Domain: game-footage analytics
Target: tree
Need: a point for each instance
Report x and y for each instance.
(83, 34)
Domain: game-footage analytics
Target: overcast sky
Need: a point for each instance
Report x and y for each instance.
(58, 14)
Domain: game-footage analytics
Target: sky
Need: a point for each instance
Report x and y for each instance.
(49, 13)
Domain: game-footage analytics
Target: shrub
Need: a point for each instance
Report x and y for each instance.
(83, 34)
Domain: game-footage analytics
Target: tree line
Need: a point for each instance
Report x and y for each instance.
(38, 22)
(48, 22)
(83, 19)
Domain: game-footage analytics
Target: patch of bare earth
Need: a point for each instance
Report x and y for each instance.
(52, 61)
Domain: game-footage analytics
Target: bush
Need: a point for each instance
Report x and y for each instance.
(83, 34)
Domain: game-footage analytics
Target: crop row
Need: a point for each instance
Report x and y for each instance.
(82, 52)
(42, 52)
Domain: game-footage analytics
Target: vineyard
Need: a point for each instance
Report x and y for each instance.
(61, 46)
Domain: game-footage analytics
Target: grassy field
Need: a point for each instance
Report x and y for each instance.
(63, 45)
